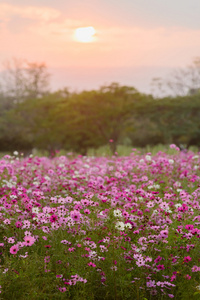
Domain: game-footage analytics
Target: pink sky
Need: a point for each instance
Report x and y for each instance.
(127, 36)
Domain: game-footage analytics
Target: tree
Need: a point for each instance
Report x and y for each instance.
(77, 122)
(22, 80)
(106, 113)
(37, 85)
(180, 82)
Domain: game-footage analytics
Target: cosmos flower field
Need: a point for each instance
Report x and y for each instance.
(100, 227)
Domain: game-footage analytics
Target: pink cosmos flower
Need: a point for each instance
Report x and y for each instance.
(50, 172)
(47, 259)
(87, 249)
(91, 264)
(85, 202)
(75, 215)
(10, 240)
(163, 234)
(151, 283)
(65, 242)
(7, 221)
(29, 240)
(14, 249)
(173, 277)
(7, 205)
(173, 146)
(62, 289)
(71, 249)
(195, 269)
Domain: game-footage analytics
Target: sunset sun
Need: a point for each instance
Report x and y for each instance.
(85, 34)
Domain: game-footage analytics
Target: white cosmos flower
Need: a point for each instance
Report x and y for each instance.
(148, 157)
(35, 210)
(171, 161)
(117, 213)
(196, 156)
(154, 186)
(128, 225)
(120, 225)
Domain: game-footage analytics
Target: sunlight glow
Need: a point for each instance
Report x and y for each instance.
(85, 34)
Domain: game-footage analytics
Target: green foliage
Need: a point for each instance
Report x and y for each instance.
(113, 115)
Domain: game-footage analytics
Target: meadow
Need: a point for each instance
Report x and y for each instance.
(100, 227)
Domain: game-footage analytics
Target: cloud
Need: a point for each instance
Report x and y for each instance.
(7, 11)
(19, 24)
(42, 21)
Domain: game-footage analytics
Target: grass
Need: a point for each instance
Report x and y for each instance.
(105, 151)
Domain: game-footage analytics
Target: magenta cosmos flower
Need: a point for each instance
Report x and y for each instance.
(187, 259)
(53, 218)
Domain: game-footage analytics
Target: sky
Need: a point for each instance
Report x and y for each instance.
(135, 40)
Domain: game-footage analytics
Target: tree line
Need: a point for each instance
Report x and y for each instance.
(33, 117)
